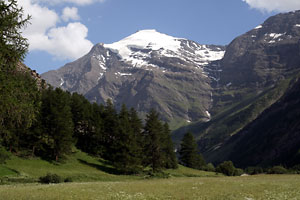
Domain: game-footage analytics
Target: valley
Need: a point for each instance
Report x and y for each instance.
(213, 91)
(150, 116)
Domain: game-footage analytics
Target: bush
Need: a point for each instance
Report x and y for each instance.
(238, 172)
(157, 175)
(296, 169)
(209, 167)
(226, 168)
(50, 178)
(4, 155)
(68, 180)
(277, 170)
(254, 170)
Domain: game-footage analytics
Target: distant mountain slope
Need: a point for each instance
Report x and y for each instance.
(273, 138)
(146, 70)
(256, 71)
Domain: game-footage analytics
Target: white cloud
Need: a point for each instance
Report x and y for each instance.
(70, 14)
(274, 5)
(69, 41)
(44, 34)
(77, 2)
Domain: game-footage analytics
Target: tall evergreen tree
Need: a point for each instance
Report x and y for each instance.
(189, 155)
(81, 114)
(153, 148)
(110, 131)
(13, 47)
(18, 91)
(96, 133)
(57, 121)
(125, 145)
(137, 128)
(170, 160)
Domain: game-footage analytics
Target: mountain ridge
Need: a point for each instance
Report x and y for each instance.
(141, 66)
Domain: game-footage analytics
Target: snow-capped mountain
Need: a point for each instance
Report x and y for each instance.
(136, 49)
(144, 70)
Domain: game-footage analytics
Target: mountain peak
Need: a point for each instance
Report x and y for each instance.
(144, 39)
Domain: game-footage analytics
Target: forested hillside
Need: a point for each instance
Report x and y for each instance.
(38, 120)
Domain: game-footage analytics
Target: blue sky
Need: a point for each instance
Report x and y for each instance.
(64, 30)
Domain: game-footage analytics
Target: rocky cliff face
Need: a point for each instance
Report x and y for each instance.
(146, 70)
(36, 76)
(264, 55)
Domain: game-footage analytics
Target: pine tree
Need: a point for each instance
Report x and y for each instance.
(81, 115)
(170, 161)
(18, 92)
(110, 129)
(13, 47)
(57, 121)
(137, 127)
(189, 154)
(19, 107)
(96, 133)
(153, 148)
(125, 146)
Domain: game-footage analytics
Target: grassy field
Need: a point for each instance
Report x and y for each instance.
(95, 179)
(262, 187)
(79, 166)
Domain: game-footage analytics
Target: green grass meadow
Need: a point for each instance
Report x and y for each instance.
(262, 187)
(95, 179)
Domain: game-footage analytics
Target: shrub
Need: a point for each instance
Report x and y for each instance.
(296, 169)
(160, 174)
(254, 170)
(50, 178)
(277, 170)
(210, 167)
(68, 180)
(4, 155)
(226, 168)
(238, 172)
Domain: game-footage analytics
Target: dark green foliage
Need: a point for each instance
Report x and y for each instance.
(126, 145)
(4, 155)
(158, 174)
(189, 155)
(68, 180)
(254, 170)
(158, 147)
(87, 124)
(153, 132)
(296, 169)
(19, 104)
(277, 170)
(12, 45)
(18, 91)
(227, 168)
(50, 178)
(57, 121)
(238, 172)
(137, 127)
(210, 167)
(170, 160)
(110, 129)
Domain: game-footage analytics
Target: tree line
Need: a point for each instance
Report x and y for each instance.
(63, 120)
